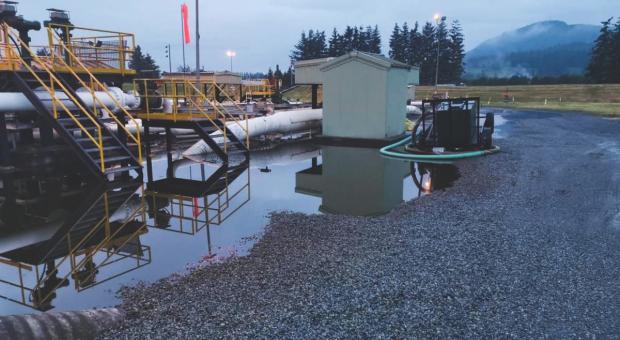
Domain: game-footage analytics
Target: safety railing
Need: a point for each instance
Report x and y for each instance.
(101, 50)
(51, 87)
(180, 100)
(106, 246)
(187, 99)
(258, 88)
(94, 85)
(200, 212)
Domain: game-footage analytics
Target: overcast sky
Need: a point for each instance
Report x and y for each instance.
(262, 32)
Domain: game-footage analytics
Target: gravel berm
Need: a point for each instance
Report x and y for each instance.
(525, 245)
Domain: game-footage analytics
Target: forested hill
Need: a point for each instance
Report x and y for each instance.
(548, 48)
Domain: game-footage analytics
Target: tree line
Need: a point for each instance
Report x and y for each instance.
(421, 45)
(314, 44)
(605, 63)
(414, 46)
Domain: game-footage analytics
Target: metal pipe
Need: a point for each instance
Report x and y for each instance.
(16, 102)
(279, 122)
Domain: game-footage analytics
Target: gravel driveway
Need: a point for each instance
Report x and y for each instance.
(525, 245)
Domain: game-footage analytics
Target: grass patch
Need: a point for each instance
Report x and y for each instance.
(601, 100)
(596, 99)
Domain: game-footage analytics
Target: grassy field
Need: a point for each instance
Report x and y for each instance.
(302, 93)
(598, 99)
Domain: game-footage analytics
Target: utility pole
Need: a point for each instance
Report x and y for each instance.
(197, 44)
(438, 19)
(183, 43)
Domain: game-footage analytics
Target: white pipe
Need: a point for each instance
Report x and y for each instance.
(279, 122)
(413, 109)
(17, 102)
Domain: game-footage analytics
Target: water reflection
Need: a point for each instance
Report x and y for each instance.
(68, 244)
(58, 231)
(354, 181)
(68, 230)
(360, 182)
(429, 177)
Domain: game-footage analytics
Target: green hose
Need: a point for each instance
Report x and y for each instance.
(387, 151)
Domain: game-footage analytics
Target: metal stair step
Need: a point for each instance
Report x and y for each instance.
(105, 148)
(86, 128)
(86, 139)
(122, 169)
(113, 159)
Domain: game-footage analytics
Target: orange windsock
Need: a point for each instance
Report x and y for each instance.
(185, 13)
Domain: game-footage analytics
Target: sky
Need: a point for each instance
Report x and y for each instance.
(262, 32)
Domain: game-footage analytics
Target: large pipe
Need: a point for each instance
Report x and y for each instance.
(17, 102)
(279, 122)
(60, 325)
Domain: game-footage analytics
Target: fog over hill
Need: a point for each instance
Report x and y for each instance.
(548, 48)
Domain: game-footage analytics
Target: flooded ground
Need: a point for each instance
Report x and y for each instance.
(299, 177)
(54, 260)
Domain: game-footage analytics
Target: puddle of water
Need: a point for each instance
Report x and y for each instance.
(184, 231)
(615, 223)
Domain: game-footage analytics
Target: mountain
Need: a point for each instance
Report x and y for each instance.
(548, 48)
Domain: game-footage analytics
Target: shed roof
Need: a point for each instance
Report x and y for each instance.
(371, 58)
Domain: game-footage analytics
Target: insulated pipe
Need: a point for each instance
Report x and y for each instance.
(17, 102)
(60, 325)
(279, 122)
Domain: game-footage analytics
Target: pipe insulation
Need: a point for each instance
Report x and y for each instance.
(60, 325)
(279, 122)
(17, 102)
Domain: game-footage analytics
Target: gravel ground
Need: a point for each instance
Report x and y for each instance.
(525, 245)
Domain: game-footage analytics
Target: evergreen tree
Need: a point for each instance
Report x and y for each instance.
(144, 65)
(428, 53)
(600, 64)
(614, 55)
(347, 40)
(456, 53)
(335, 44)
(288, 79)
(416, 56)
(405, 36)
(443, 48)
(375, 41)
(310, 46)
(397, 51)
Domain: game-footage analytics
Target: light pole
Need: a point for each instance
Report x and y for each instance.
(231, 55)
(169, 56)
(438, 19)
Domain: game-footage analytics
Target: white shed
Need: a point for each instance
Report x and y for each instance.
(365, 96)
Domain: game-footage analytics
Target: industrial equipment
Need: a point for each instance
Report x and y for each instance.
(448, 129)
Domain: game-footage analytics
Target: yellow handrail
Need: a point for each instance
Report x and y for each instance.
(52, 92)
(137, 138)
(245, 114)
(122, 50)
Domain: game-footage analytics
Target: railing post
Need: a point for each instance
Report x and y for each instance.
(121, 53)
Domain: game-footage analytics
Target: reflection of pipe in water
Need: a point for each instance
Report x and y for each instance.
(279, 122)
(29, 236)
(281, 155)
